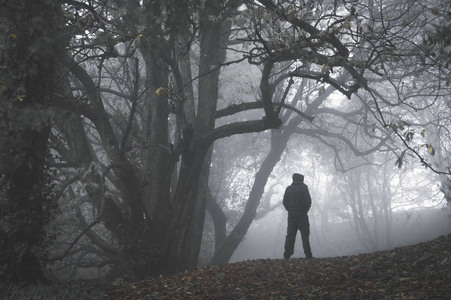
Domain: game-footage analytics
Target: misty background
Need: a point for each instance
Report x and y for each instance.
(369, 208)
(266, 237)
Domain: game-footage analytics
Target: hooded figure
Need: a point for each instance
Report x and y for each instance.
(297, 202)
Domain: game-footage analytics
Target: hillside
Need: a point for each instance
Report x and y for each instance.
(419, 271)
(266, 237)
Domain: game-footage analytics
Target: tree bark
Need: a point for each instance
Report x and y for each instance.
(31, 61)
(219, 220)
(196, 149)
(194, 239)
(158, 162)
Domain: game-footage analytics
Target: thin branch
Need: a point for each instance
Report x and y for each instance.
(96, 221)
(287, 89)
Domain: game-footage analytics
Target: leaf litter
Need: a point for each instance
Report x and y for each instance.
(421, 271)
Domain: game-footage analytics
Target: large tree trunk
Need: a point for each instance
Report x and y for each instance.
(196, 150)
(183, 211)
(27, 198)
(158, 161)
(194, 239)
(30, 59)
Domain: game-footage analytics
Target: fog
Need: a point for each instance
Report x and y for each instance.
(266, 237)
(365, 207)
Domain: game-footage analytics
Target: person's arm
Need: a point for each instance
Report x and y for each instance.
(285, 199)
(308, 198)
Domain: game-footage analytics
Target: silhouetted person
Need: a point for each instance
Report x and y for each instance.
(297, 202)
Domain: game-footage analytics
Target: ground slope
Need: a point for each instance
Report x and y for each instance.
(420, 271)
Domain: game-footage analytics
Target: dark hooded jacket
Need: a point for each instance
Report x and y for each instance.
(296, 199)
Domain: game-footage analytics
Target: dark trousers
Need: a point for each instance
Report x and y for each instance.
(295, 223)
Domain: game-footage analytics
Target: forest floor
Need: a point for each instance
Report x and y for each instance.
(421, 271)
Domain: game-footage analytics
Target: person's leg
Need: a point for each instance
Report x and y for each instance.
(290, 238)
(304, 228)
